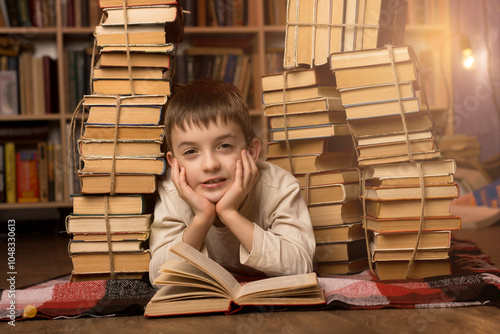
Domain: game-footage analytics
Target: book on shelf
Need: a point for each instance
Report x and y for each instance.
(382, 109)
(378, 93)
(122, 183)
(124, 86)
(124, 132)
(183, 283)
(132, 3)
(300, 77)
(138, 149)
(406, 255)
(331, 193)
(307, 119)
(132, 204)
(155, 166)
(319, 104)
(336, 213)
(450, 223)
(396, 270)
(84, 246)
(129, 115)
(338, 233)
(375, 75)
(394, 138)
(429, 168)
(341, 267)
(50, 85)
(314, 30)
(10, 172)
(9, 100)
(93, 263)
(408, 240)
(408, 208)
(327, 130)
(302, 164)
(118, 223)
(307, 146)
(27, 176)
(301, 93)
(388, 125)
(449, 190)
(340, 251)
(342, 176)
(43, 171)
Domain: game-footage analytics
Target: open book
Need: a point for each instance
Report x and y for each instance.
(200, 285)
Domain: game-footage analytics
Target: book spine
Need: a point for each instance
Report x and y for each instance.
(27, 176)
(10, 172)
(3, 192)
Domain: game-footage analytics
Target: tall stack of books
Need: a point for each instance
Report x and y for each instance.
(120, 147)
(407, 211)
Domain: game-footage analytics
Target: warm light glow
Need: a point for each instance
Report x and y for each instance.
(467, 58)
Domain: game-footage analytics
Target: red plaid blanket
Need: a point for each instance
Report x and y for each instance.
(474, 282)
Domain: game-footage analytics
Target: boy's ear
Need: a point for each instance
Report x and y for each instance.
(170, 158)
(254, 149)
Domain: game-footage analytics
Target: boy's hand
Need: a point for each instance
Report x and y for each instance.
(201, 206)
(246, 175)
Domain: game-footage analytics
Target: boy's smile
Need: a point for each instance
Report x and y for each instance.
(209, 156)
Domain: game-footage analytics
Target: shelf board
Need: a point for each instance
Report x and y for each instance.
(37, 205)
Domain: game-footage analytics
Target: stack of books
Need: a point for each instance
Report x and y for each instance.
(120, 145)
(406, 227)
(315, 29)
(406, 190)
(371, 96)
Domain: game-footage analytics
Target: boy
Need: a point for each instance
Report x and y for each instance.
(248, 216)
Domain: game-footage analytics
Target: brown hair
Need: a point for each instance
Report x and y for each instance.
(205, 101)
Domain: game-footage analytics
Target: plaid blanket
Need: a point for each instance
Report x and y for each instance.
(474, 282)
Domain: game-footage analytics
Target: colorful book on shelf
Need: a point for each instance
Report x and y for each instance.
(180, 294)
(132, 204)
(120, 224)
(340, 251)
(10, 172)
(339, 233)
(450, 223)
(336, 213)
(9, 104)
(129, 115)
(27, 176)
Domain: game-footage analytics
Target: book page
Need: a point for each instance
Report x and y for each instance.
(209, 266)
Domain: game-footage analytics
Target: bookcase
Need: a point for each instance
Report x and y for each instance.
(262, 33)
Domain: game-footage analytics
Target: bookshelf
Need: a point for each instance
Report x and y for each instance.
(264, 36)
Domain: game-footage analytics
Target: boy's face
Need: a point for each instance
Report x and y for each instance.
(209, 156)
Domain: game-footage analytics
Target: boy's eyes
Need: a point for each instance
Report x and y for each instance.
(188, 152)
(225, 146)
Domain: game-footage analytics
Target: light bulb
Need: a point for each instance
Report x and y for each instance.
(467, 58)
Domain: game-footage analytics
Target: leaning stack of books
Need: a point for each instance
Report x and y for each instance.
(406, 227)
(120, 145)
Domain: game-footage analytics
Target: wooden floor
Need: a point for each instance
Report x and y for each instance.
(43, 255)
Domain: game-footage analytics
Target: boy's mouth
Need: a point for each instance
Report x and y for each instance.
(215, 181)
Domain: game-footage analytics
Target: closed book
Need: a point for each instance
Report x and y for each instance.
(139, 15)
(27, 176)
(134, 100)
(137, 59)
(319, 104)
(428, 168)
(388, 125)
(83, 246)
(377, 94)
(382, 109)
(308, 119)
(341, 251)
(411, 181)
(124, 166)
(342, 267)
(408, 208)
(331, 193)
(297, 94)
(129, 115)
(413, 224)
(338, 233)
(307, 146)
(125, 87)
(98, 149)
(120, 183)
(118, 223)
(10, 173)
(101, 262)
(406, 255)
(371, 57)
(300, 77)
(396, 270)
(417, 156)
(111, 205)
(336, 213)
(316, 162)
(340, 176)
(408, 240)
(326, 130)
(124, 132)
(149, 34)
(385, 193)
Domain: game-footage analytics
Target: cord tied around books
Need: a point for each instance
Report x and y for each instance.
(108, 238)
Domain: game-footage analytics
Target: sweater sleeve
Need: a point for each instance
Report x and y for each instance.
(284, 243)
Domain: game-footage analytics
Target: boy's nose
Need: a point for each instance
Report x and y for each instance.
(210, 163)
